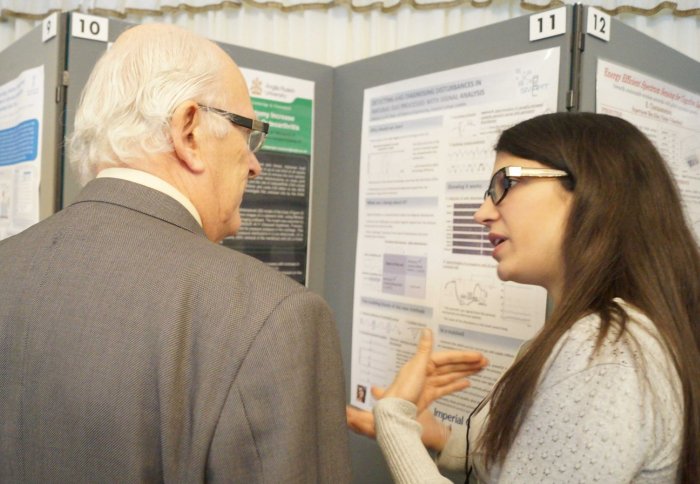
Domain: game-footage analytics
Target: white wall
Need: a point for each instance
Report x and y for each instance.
(338, 35)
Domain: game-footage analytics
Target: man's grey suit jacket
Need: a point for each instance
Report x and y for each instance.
(132, 349)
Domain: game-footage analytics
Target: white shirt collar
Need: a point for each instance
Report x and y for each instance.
(151, 181)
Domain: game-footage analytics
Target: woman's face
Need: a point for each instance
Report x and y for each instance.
(527, 227)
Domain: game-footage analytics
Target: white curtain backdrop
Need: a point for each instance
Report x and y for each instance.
(336, 32)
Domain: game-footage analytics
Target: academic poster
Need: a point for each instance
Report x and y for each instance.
(275, 209)
(21, 114)
(667, 114)
(422, 261)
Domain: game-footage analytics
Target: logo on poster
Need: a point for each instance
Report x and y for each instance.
(256, 87)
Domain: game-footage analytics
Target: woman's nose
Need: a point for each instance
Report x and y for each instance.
(487, 212)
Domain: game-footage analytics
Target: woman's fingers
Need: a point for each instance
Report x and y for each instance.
(377, 392)
(441, 358)
(360, 421)
(437, 381)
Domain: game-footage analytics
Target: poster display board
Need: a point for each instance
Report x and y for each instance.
(412, 151)
(275, 208)
(667, 114)
(422, 260)
(21, 120)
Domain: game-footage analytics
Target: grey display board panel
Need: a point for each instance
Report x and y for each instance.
(633, 49)
(82, 55)
(488, 43)
(28, 52)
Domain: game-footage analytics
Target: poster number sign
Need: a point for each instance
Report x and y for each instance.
(598, 24)
(49, 27)
(548, 24)
(90, 27)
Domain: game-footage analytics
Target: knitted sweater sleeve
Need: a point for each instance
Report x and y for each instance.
(399, 437)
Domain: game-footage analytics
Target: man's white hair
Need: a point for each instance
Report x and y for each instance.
(132, 92)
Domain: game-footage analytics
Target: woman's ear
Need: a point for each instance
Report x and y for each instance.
(184, 122)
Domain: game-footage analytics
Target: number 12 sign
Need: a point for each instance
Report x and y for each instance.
(598, 24)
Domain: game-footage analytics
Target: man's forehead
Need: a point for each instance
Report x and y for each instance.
(236, 89)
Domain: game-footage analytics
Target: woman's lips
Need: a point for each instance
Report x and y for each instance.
(497, 241)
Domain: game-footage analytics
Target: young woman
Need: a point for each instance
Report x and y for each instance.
(609, 390)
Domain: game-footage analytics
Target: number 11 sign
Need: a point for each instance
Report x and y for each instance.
(548, 24)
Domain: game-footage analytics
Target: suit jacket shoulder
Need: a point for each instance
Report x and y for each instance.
(155, 330)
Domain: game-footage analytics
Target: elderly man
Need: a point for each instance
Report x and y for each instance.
(132, 346)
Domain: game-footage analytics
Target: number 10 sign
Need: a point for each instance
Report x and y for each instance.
(90, 27)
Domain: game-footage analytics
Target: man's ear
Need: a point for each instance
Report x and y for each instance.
(183, 130)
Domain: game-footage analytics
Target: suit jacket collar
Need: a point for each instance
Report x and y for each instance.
(141, 199)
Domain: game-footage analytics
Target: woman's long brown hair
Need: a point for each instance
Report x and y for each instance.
(626, 237)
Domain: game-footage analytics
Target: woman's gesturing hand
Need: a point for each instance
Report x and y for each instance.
(426, 377)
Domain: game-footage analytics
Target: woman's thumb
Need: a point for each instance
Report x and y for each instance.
(425, 343)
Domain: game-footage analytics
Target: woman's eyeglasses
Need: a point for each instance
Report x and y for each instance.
(503, 179)
(258, 129)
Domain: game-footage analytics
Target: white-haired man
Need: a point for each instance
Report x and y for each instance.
(132, 347)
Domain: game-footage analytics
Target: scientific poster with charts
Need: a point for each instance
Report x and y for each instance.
(422, 260)
(667, 114)
(21, 115)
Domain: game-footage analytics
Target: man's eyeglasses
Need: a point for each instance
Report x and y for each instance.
(502, 180)
(258, 129)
